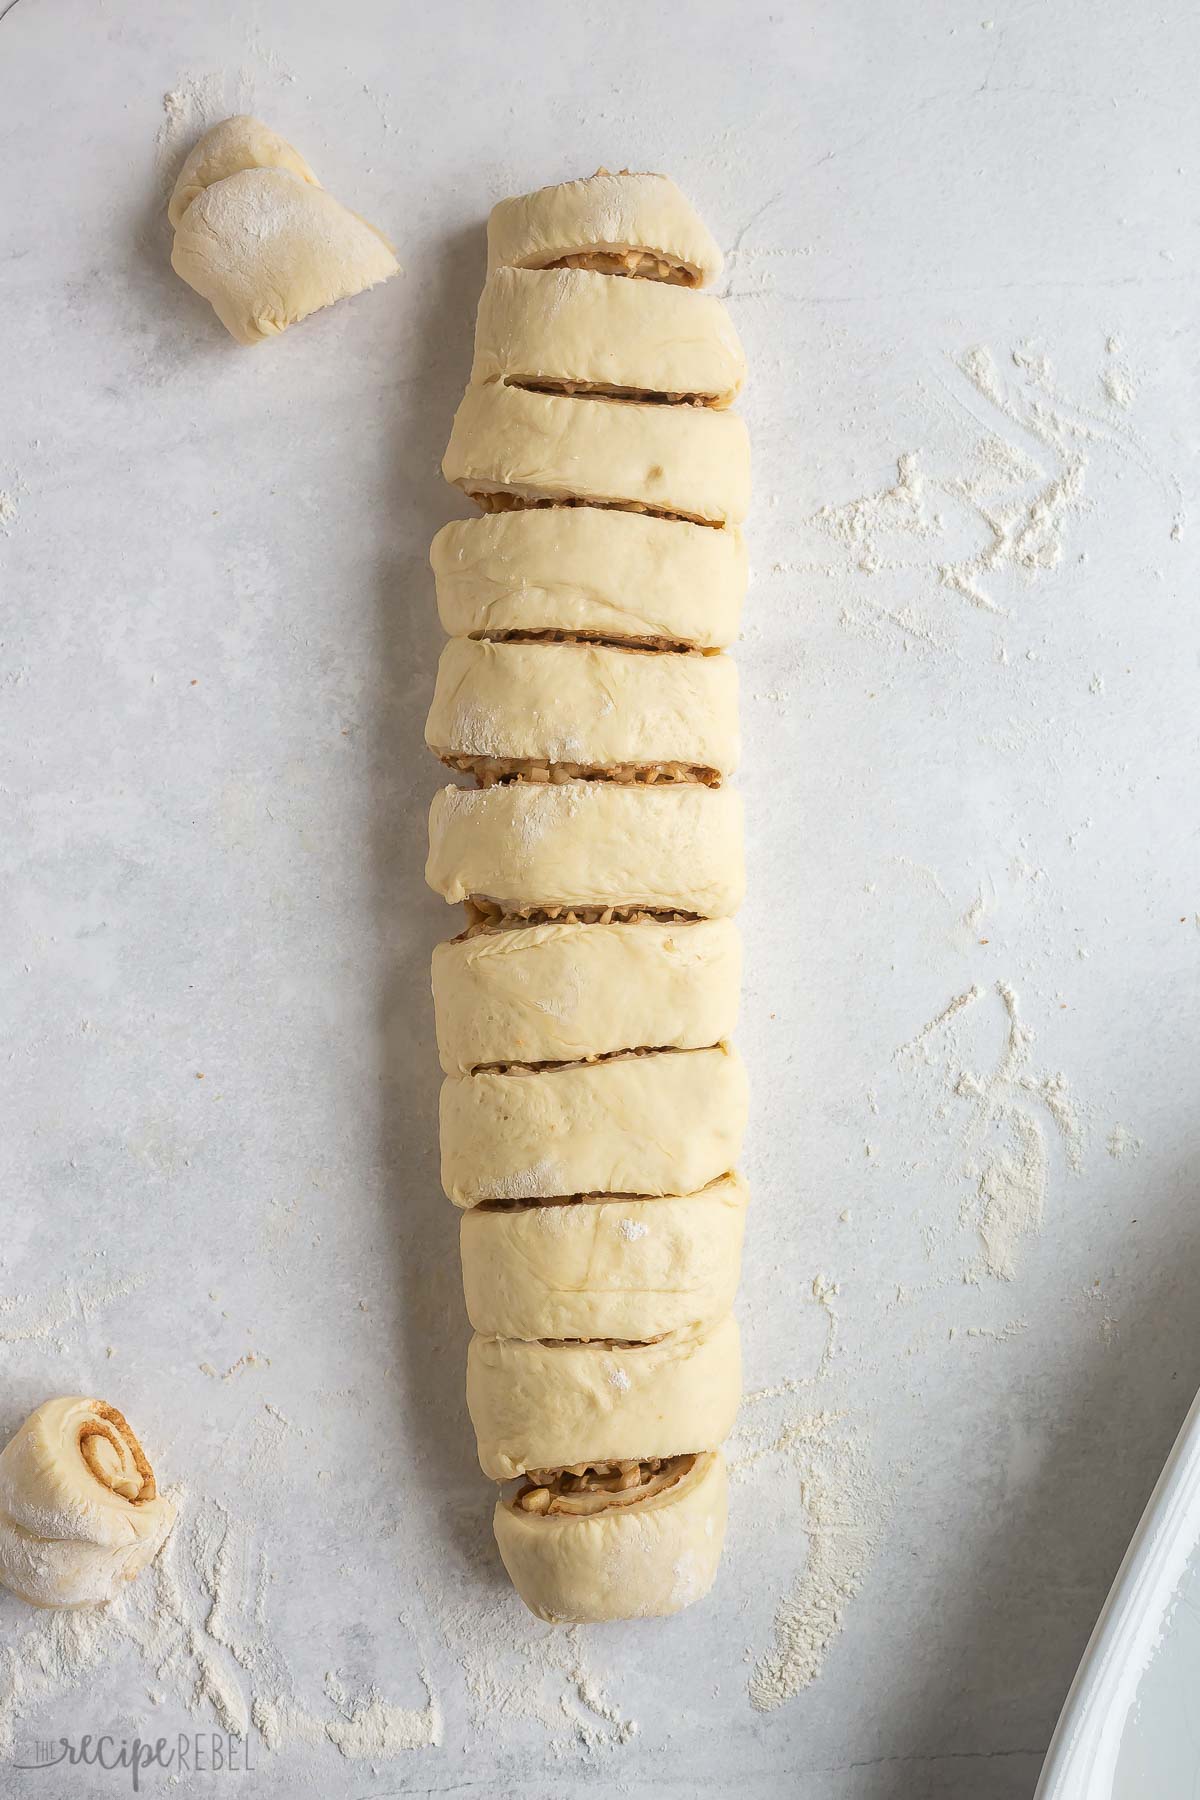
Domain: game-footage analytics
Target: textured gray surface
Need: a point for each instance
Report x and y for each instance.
(218, 647)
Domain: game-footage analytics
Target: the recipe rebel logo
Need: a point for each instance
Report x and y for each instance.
(186, 1753)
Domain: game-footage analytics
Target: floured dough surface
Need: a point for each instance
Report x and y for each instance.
(80, 1511)
(572, 326)
(235, 144)
(675, 848)
(606, 213)
(261, 240)
(542, 1406)
(557, 992)
(687, 460)
(599, 1268)
(636, 1562)
(584, 703)
(664, 1123)
(586, 569)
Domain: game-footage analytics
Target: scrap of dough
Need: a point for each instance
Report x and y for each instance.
(588, 569)
(584, 703)
(235, 144)
(570, 325)
(80, 1513)
(674, 847)
(607, 213)
(691, 460)
(598, 1268)
(558, 992)
(266, 245)
(627, 1562)
(660, 1124)
(549, 1406)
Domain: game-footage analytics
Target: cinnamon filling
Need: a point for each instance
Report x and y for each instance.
(641, 265)
(493, 771)
(589, 1488)
(595, 1198)
(558, 634)
(604, 390)
(583, 1062)
(484, 915)
(108, 1447)
(493, 500)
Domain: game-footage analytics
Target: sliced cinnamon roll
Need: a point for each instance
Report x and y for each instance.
(541, 1406)
(531, 845)
(80, 1511)
(511, 447)
(656, 1122)
(497, 707)
(569, 331)
(590, 572)
(628, 1541)
(623, 224)
(559, 992)
(598, 1267)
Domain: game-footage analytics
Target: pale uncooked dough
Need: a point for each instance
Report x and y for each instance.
(590, 569)
(604, 1268)
(551, 1405)
(626, 1562)
(658, 1124)
(235, 144)
(603, 212)
(580, 843)
(261, 240)
(689, 460)
(592, 1110)
(557, 992)
(80, 1511)
(571, 326)
(589, 704)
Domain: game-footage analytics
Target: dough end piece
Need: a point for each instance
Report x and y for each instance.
(261, 240)
(646, 1560)
(239, 143)
(80, 1510)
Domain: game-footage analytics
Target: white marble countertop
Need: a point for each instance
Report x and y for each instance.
(962, 254)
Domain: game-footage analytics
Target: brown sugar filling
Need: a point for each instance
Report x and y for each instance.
(110, 1427)
(558, 634)
(605, 390)
(495, 500)
(484, 915)
(493, 771)
(588, 1488)
(596, 1198)
(641, 265)
(581, 1062)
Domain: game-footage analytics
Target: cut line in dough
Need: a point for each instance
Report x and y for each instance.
(601, 570)
(517, 709)
(568, 331)
(550, 1406)
(664, 1123)
(630, 1268)
(565, 990)
(692, 461)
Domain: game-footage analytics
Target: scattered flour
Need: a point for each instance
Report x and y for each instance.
(1122, 1142)
(364, 1729)
(35, 1317)
(1003, 1142)
(518, 1670)
(843, 1509)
